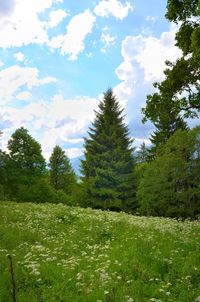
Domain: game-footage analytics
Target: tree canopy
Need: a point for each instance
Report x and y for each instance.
(62, 176)
(108, 165)
(178, 95)
(171, 183)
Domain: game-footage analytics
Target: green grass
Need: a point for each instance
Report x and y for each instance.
(73, 254)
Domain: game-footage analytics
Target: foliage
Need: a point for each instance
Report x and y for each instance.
(171, 183)
(71, 254)
(4, 183)
(26, 165)
(26, 153)
(62, 176)
(164, 112)
(23, 174)
(108, 165)
(183, 76)
(142, 154)
(178, 94)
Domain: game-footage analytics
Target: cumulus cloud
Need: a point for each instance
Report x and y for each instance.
(150, 53)
(23, 25)
(72, 43)
(114, 8)
(13, 78)
(144, 61)
(127, 73)
(54, 122)
(56, 16)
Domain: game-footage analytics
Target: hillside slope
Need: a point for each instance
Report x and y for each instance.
(71, 254)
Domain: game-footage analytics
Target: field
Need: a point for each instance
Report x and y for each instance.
(72, 254)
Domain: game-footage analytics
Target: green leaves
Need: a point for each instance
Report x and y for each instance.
(178, 95)
(170, 184)
(180, 10)
(62, 176)
(26, 153)
(108, 165)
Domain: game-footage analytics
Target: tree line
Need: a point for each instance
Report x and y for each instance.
(25, 175)
(162, 180)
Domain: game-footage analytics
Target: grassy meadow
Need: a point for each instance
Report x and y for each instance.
(71, 254)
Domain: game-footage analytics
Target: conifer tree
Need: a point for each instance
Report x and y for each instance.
(62, 176)
(162, 111)
(108, 167)
(142, 153)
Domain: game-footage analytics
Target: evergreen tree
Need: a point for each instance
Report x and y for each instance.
(171, 183)
(142, 153)
(62, 176)
(162, 111)
(108, 167)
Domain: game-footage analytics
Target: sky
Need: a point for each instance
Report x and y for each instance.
(57, 57)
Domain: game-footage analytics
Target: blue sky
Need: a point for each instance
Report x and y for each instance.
(58, 57)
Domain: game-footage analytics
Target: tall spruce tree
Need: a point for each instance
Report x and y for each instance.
(108, 167)
(62, 176)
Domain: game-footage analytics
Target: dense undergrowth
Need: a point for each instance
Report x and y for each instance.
(71, 254)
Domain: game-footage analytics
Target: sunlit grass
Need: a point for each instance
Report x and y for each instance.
(73, 254)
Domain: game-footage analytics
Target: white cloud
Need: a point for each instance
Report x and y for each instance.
(56, 16)
(23, 26)
(150, 53)
(107, 41)
(74, 152)
(144, 62)
(19, 56)
(13, 78)
(127, 73)
(54, 122)
(72, 43)
(113, 7)
(75, 140)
